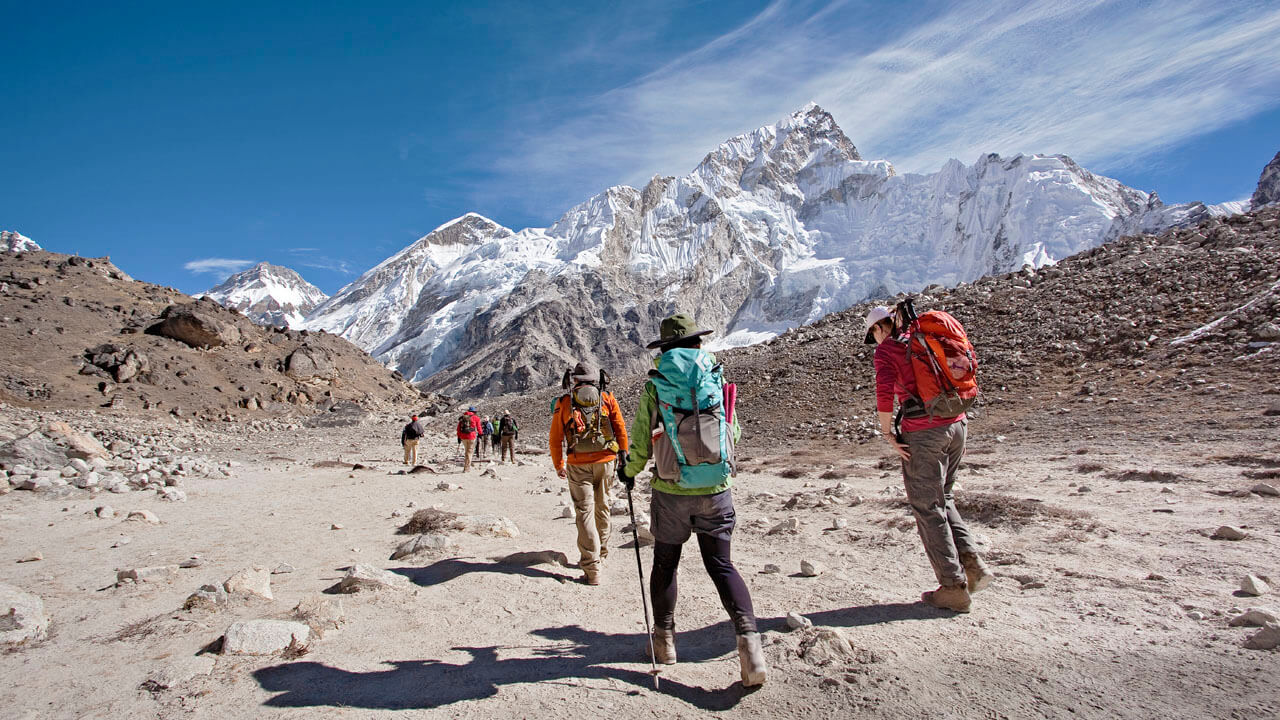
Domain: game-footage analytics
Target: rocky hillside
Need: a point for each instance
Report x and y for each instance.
(773, 229)
(269, 294)
(1156, 325)
(1268, 190)
(79, 333)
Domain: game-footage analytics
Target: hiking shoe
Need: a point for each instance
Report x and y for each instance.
(664, 646)
(948, 597)
(977, 572)
(751, 659)
(591, 577)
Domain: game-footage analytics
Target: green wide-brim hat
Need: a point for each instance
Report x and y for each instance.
(676, 328)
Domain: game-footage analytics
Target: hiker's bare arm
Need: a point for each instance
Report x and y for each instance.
(886, 429)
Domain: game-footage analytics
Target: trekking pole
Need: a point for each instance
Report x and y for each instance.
(644, 598)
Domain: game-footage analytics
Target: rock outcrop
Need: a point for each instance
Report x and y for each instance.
(1268, 190)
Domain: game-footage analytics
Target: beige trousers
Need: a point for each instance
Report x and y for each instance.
(466, 453)
(591, 487)
(411, 452)
(508, 446)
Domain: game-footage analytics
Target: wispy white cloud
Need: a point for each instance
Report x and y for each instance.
(330, 264)
(217, 266)
(1104, 81)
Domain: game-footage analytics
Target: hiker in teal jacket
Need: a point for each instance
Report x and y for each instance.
(691, 485)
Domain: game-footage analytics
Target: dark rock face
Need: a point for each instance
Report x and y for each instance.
(121, 364)
(195, 326)
(1268, 184)
(308, 362)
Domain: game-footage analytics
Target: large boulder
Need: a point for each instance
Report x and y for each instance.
(309, 362)
(252, 581)
(197, 326)
(264, 637)
(79, 444)
(121, 364)
(343, 413)
(420, 544)
(22, 617)
(34, 450)
(369, 578)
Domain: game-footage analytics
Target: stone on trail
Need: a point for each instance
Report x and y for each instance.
(1227, 532)
(770, 569)
(143, 516)
(264, 637)
(789, 525)
(282, 569)
(796, 621)
(79, 445)
(320, 613)
(178, 671)
(810, 569)
(1255, 617)
(35, 557)
(22, 617)
(194, 561)
(826, 646)
(447, 486)
(425, 543)
(1268, 638)
(255, 581)
(566, 512)
(155, 573)
(367, 577)
(1254, 585)
(208, 597)
(335, 526)
(492, 525)
(1265, 489)
(839, 524)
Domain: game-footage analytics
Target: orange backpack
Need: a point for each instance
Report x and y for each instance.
(942, 359)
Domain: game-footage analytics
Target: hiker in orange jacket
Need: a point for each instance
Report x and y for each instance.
(589, 424)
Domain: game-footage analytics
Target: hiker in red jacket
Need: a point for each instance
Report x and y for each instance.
(931, 449)
(468, 431)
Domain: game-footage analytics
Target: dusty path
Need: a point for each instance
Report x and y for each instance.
(1089, 618)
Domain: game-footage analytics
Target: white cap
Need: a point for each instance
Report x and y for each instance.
(875, 315)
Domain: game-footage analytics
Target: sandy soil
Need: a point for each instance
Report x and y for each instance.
(1089, 616)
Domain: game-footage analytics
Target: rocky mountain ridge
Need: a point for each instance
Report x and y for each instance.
(269, 294)
(1268, 190)
(15, 242)
(774, 229)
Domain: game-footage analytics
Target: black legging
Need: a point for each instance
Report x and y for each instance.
(729, 584)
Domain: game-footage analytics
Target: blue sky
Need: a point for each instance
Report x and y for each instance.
(186, 139)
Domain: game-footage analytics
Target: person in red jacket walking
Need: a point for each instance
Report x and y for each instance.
(931, 449)
(468, 431)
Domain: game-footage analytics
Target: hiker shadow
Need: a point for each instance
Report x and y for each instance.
(579, 654)
(452, 568)
(877, 614)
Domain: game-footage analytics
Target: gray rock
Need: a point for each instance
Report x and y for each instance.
(1254, 585)
(321, 613)
(145, 516)
(34, 557)
(194, 561)
(22, 617)
(839, 524)
(309, 362)
(1195, 615)
(195, 326)
(427, 543)
(253, 581)
(264, 637)
(208, 597)
(796, 621)
(770, 569)
(361, 578)
(1255, 617)
(566, 512)
(827, 646)
(34, 450)
(789, 525)
(1268, 638)
(172, 494)
(1227, 532)
(282, 569)
(36, 484)
(178, 671)
(1265, 489)
(810, 569)
(490, 525)
(79, 444)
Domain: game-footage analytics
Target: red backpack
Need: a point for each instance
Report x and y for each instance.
(942, 359)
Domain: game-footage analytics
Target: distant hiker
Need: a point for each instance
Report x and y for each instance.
(509, 433)
(589, 424)
(929, 432)
(468, 430)
(486, 432)
(692, 474)
(409, 439)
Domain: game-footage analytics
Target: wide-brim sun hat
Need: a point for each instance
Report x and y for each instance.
(675, 329)
(585, 370)
(874, 316)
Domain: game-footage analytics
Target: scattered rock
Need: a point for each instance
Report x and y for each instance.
(1255, 617)
(23, 619)
(320, 613)
(1254, 585)
(447, 486)
(79, 445)
(566, 512)
(839, 524)
(178, 671)
(264, 637)
(789, 525)
(36, 557)
(282, 569)
(422, 544)
(1265, 489)
(810, 569)
(1268, 638)
(255, 581)
(771, 568)
(492, 525)
(208, 597)
(335, 526)
(796, 621)
(155, 573)
(143, 516)
(194, 561)
(828, 646)
(1227, 532)
(363, 577)
(1195, 615)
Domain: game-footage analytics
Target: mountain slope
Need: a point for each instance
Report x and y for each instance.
(773, 229)
(13, 241)
(268, 294)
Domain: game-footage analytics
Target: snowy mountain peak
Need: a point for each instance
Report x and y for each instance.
(15, 242)
(466, 229)
(269, 295)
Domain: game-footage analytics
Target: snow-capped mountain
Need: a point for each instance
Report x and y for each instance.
(269, 295)
(15, 242)
(773, 229)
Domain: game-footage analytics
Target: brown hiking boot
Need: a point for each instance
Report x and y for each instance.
(976, 571)
(948, 597)
(591, 577)
(664, 646)
(751, 659)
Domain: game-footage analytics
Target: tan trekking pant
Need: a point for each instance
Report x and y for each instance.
(928, 477)
(411, 452)
(591, 487)
(466, 453)
(508, 446)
